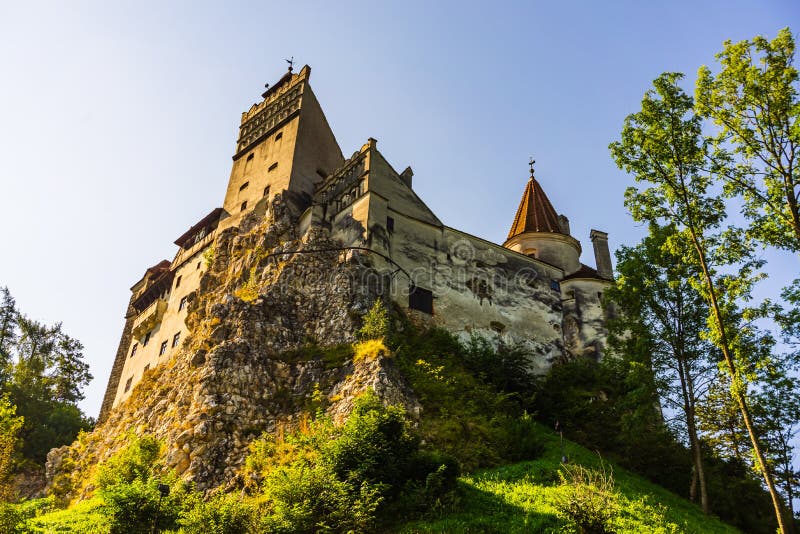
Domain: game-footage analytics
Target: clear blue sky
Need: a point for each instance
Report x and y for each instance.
(118, 121)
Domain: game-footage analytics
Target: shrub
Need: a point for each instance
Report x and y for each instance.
(588, 499)
(303, 498)
(222, 514)
(369, 350)
(130, 489)
(135, 507)
(346, 478)
(136, 461)
(376, 323)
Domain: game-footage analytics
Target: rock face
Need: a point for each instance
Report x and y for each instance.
(264, 327)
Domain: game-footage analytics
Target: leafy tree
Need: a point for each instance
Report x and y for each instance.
(43, 372)
(663, 146)
(8, 331)
(10, 425)
(662, 318)
(777, 414)
(754, 102)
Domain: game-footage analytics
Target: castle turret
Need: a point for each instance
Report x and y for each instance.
(285, 143)
(538, 231)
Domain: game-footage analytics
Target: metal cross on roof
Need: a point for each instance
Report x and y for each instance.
(290, 61)
(531, 162)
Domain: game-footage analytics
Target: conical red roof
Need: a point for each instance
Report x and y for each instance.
(535, 213)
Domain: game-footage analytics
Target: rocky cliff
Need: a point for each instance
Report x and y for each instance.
(269, 339)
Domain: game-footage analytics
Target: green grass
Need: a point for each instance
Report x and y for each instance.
(81, 517)
(521, 498)
(513, 498)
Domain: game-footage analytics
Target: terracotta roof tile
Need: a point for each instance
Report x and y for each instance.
(535, 213)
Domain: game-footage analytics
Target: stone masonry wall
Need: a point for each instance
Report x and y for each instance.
(251, 360)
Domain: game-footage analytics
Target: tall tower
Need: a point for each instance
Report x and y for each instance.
(538, 231)
(285, 143)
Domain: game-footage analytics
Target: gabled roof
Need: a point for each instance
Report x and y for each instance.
(535, 213)
(584, 272)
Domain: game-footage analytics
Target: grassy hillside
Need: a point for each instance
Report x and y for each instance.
(521, 498)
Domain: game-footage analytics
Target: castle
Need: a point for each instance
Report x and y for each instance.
(532, 289)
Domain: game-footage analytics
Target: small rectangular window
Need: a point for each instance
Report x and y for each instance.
(181, 305)
(146, 339)
(420, 299)
(251, 156)
(273, 167)
(133, 350)
(128, 384)
(266, 191)
(390, 224)
(244, 206)
(278, 136)
(146, 368)
(175, 339)
(555, 286)
(244, 186)
(177, 282)
(163, 348)
(198, 264)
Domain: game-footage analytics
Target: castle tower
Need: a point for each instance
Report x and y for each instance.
(285, 143)
(538, 231)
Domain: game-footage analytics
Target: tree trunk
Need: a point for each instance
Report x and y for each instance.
(738, 394)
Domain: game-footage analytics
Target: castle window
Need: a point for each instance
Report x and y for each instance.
(181, 306)
(273, 167)
(163, 348)
(244, 206)
(175, 339)
(198, 264)
(555, 286)
(177, 282)
(420, 299)
(128, 384)
(266, 191)
(244, 186)
(133, 350)
(599, 296)
(278, 136)
(390, 224)
(146, 339)
(146, 368)
(251, 156)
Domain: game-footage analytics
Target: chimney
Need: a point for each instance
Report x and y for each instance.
(601, 255)
(406, 176)
(563, 223)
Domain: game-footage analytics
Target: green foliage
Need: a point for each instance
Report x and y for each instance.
(523, 498)
(222, 514)
(135, 506)
(588, 499)
(128, 484)
(138, 460)
(83, 517)
(208, 256)
(10, 426)
(466, 416)
(369, 349)
(376, 322)
(753, 101)
(302, 498)
(505, 367)
(349, 477)
(43, 373)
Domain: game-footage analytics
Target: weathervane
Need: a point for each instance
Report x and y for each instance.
(290, 61)
(531, 162)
